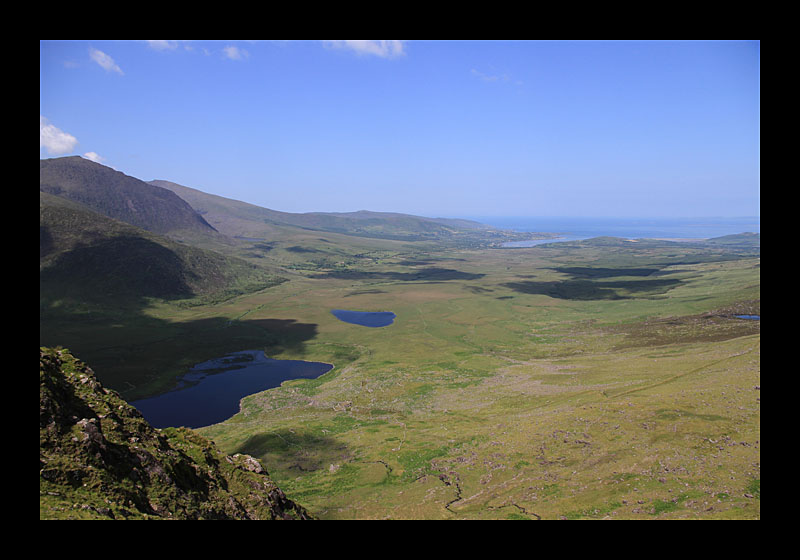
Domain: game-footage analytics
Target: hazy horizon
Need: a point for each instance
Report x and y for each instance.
(629, 227)
(623, 129)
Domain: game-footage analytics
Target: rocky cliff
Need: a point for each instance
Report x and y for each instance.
(100, 459)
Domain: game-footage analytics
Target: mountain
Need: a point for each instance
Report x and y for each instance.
(100, 459)
(241, 219)
(119, 196)
(87, 256)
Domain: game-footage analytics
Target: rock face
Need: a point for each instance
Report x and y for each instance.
(100, 459)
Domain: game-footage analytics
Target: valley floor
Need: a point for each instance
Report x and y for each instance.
(577, 381)
(518, 384)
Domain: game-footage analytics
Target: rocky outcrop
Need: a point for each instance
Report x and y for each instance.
(100, 459)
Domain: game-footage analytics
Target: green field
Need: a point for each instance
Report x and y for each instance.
(579, 381)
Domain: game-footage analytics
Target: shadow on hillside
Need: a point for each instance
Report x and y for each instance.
(295, 451)
(46, 241)
(589, 290)
(425, 274)
(140, 356)
(426, 262)
(129, 265)
(590, 283)
(600, 272)
(299, 249)
(282, 335)
(478, 290)
(364, 292)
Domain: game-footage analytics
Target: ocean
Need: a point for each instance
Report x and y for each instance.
(573, 229)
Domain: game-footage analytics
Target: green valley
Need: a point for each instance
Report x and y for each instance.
(599, 379)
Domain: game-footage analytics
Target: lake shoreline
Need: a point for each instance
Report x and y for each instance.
(211, 391)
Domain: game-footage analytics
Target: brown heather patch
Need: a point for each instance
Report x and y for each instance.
(707, 327)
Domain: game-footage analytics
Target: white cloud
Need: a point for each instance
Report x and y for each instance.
(494, 77)
(382, 48)
(55, 140)
(235, 53)
(162, 45)
(105, 61)
(484, 77)
(94, 156)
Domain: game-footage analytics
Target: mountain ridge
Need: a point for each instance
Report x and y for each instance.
(119, 196)
(242, 219)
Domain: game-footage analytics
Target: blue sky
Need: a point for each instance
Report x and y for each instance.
(434, 128)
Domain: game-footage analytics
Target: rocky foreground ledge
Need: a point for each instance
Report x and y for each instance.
(100, 459)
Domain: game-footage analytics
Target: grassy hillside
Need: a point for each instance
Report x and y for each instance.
(99, 459)
(237, 218)
(740, 241)
(119, 196)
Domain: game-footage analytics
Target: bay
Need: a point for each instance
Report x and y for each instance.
(575, 229)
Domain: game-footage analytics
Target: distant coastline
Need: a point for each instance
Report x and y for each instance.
(629, 228)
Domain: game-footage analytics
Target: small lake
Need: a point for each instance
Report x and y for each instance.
(210, 392)
(365, 318)
(751, 317)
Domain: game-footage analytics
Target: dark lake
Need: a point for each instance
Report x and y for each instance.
(751, 317)
(365, 318)
(211, 391)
